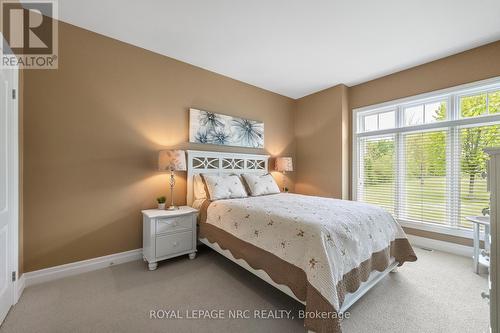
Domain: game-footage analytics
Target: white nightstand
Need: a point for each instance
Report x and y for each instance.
(167, 234)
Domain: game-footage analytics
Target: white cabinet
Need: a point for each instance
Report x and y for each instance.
(167, 234)
(494, 186)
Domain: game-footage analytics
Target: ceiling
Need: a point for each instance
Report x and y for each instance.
(294, 47)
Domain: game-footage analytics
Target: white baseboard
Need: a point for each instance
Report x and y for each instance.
(19, 288)
(433, 244)
(74, 268)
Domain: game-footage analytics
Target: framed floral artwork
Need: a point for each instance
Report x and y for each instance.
(218, 129)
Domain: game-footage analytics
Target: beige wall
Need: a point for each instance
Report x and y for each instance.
(323, 119)
(92, 130)
(473, 65)
(322, 148)
(93, 127)
(441, 237)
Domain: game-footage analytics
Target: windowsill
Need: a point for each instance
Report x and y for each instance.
(440, 229)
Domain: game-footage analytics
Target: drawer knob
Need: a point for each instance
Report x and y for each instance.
(485, 295)
(176, 244)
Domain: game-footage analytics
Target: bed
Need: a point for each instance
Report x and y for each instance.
(325, 253)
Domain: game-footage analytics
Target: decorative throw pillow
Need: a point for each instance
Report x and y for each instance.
(261, 184)
(199, 188)
(224, 186)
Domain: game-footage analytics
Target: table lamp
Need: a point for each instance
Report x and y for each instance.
(284, 164)
(172, 160)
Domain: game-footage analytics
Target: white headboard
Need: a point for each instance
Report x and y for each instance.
(219, 163)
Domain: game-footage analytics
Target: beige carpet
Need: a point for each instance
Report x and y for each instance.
(438, 293)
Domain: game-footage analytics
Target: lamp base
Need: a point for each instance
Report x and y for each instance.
(172, 208)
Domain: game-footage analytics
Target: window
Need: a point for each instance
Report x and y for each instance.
(494, 102)
(422, 159)
(425, 113)
(386, 120)
(378, 121)
(473, 194)
(424, 178)
(378, 171)
(480, 104)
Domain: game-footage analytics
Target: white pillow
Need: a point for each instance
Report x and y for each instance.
(261, 184)
(224, 186)
(199, 188)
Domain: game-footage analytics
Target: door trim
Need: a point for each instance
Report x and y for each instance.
(13, 173)
(14, 189)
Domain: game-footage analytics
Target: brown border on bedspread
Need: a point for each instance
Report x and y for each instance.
(295, 278)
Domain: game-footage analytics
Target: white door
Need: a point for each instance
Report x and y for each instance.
(8, 188)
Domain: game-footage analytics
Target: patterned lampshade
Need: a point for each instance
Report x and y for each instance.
(172, 160)
(284, 164)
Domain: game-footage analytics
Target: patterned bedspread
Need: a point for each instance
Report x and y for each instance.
(326, 238)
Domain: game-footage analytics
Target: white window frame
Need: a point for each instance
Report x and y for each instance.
(453, 122)
(423, 103)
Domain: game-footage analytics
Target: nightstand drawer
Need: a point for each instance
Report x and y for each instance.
(171, 224)
(171, 244)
